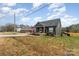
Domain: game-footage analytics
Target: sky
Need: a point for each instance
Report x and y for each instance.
(31, 13)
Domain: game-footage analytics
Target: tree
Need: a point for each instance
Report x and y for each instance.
(8, 28)
(72, 28)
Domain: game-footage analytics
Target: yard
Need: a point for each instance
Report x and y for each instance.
(8, 33)
(40, 45)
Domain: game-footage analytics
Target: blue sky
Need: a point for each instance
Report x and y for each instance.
(68, 13)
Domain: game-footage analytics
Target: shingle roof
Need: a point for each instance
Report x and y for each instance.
(53, 22)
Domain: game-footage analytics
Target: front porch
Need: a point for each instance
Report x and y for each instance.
(46, 30)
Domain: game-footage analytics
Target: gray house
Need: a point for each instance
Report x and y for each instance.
(50, 26)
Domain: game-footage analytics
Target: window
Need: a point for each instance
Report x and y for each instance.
(51, 29)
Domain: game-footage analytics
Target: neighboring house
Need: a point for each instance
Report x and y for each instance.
(18, 29)
(24, 29)
(50, 26)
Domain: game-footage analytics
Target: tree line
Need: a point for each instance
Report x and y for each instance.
(72, 28)
(10, 27)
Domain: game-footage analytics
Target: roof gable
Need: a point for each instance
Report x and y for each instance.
(39, 24)
(53, 22)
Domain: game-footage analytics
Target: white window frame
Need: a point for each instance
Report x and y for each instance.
(51, 29)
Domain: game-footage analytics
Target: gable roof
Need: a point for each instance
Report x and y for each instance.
(53, 22)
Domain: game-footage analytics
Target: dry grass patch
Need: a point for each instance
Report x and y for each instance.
(37, 45)
(74, 34)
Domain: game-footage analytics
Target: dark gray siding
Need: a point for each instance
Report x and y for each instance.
(55, 24)
(58, 29)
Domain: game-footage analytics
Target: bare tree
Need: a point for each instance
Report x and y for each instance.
(8, 28)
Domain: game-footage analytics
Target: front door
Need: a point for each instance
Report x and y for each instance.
(39, 29)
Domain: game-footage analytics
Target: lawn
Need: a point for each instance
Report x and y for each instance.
(40, 45)
(8, 33)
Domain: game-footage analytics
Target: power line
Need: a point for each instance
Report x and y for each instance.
(41, 7)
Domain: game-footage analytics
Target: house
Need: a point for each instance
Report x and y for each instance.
(24, 29)
(50, 26)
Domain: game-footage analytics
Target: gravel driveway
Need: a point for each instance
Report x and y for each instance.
(13, 35)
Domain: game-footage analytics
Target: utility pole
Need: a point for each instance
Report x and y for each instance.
(14, 22)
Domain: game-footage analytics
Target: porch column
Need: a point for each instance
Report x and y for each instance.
(44, 29)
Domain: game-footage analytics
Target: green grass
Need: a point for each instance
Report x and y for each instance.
(39, 45)
(8, 33)
(71, 42)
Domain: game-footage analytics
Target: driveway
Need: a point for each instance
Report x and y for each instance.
(13, 35)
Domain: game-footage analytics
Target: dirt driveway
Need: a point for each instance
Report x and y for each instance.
(13, 35)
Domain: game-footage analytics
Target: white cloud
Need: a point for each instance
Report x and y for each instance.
(52, 17)
(24, 20)
(55, 5)
(28, 20)
(5, 9)
(59, 11)
(36, 4)
(37, 19)
(9, 4)
(48, 14)
(68, 20)
(56, 9)
(20, 10)
(56, 13)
